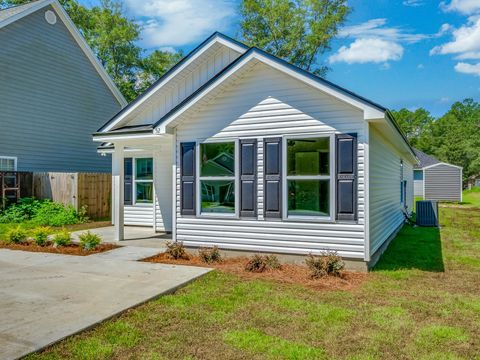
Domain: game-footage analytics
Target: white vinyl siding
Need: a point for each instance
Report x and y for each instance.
(384, 182)
(443, 182)
(267, 103)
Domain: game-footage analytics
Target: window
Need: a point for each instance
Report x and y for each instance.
(8, 163)
(143, 180)
(418, 175)
(217, 177)
(308, 177)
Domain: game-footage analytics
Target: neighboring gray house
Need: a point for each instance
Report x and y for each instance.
(472, 181)
(53, 92)
(436, 180)
(236, 148)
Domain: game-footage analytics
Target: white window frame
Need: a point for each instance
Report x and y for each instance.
(134, 181)
(331, 177)
(14, 158)
(199, 213)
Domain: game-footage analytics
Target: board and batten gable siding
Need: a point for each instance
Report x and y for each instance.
(186, 83)
(267, 103)
(443, 182)
(51, 98)
(385, 208)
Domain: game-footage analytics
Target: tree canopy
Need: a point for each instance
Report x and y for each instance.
(298, 31)
(453, 137)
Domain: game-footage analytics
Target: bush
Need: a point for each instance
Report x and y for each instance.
(210, 255)
(328, 263)
(259, 263)
(89, 241)
(21, 211)
(176, 250)
(16, 235)
(40, 235)
(63, 238)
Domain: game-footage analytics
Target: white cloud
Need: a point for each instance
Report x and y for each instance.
(465, 68)
(170, 23)
(465, 43)
(413, 3)
(467, 7)
(420, 66)
(368, 50)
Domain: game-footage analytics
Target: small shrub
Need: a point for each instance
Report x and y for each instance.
(56, 214)
(210, 255)
(16, 235)
(40, 235)
(259, 263)
(89, 240)
(328, 263)
(63, 238)
(176, 250)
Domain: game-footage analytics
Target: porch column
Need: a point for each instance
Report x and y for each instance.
(118, 179)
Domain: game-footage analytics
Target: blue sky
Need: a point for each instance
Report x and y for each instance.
(400, 53)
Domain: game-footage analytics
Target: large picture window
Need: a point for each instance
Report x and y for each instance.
(308, 177)
(217, 177)
(144, 180)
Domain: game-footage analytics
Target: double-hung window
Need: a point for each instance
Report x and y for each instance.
(143, 180)
(217, 177)
(308, 177)
(8, 163)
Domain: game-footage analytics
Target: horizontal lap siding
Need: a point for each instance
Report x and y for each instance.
(51, 99)
(418, 187)
(385, 208)
(443, 182)
(267, 103)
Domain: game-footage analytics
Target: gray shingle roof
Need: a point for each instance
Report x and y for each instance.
(14, 10)
(425, 160)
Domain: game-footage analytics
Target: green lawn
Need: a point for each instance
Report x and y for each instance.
(421, 302)
(472, 197)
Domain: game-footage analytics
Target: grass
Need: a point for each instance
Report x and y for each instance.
(421, 302)
(472, 197)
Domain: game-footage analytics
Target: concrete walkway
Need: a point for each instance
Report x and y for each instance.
(47, 297)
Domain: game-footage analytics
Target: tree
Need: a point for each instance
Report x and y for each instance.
(413, 123)
(113, 38)
(298, 31)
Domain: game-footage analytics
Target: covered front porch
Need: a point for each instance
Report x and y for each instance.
(142, 180)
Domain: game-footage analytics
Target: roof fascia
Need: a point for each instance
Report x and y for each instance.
(174, 71)
(442, 163)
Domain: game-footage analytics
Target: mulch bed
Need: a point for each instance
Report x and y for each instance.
(73, 249)
(287, 274)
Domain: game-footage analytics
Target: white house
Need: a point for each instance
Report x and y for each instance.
(237, 148)
(436, 180)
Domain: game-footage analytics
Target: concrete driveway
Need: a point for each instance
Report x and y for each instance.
(46, 297)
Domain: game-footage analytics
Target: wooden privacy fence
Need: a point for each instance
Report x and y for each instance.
(15, 184)
(92, 190)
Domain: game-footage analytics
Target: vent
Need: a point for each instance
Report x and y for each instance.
(50, 17)
(427, 213)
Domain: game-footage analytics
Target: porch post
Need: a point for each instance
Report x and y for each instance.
(118, 179)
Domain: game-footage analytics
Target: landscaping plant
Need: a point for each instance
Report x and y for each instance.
(16, 235)
(63, 238)
(260, 263)
(40, 235)
(210, 255)
(328, 263)
(176, 250)
(89, 240)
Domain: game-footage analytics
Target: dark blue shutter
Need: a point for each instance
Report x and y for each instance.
(248, 177)
(128, 181)
(272, 189)
(346, 177)
(187, 178)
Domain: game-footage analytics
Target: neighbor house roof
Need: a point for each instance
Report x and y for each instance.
(15, 13)
(424, 159)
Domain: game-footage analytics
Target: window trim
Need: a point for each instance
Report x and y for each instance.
(14, 158)
(236, 179)
(331, 177)
(134, 181)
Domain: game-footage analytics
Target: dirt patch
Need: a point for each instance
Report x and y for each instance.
(287, 274)
(73, 249)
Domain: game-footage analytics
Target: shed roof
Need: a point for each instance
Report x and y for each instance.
(424, 159)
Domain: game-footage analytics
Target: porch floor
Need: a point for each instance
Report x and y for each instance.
(134, 236)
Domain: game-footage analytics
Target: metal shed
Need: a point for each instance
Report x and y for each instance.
(436, 180)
